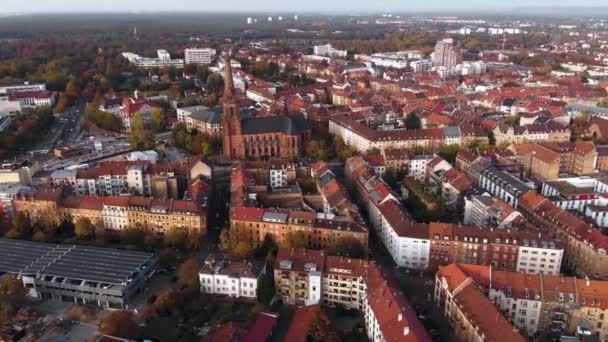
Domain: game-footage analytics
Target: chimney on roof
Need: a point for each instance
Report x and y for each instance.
(587, 281)
(406, 331)
(400, 317)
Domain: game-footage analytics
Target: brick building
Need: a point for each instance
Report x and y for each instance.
(250, 137)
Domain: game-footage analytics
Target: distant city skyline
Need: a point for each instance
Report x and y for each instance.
(60, 6)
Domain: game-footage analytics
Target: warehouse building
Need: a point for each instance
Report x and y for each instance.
(80, 274)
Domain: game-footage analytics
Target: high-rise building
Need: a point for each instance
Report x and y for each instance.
(446, 54)
(199, 56)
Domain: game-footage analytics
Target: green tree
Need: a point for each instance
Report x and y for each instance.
(206, 149)
(347, 153)
(210, 100)
(119, 323)
(84, 228)
(158, 119)
(101, 119)
(449, 152)
(187, 274)
(140, 138)
(412, 121)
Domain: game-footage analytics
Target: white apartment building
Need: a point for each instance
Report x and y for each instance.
(278, 177)
(135, 180)
(407, 242)
(422, 66)
(114, 216)
(199, 56)
(328, 50)
(502, 185)
(418, 165)
(539, 257)
(397, 60)
(163, 60)
(487, 211)
(523, 312)
(222, 276)
(472, 68)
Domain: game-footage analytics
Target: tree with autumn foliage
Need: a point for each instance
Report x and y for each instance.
(12, 295)
(187, 274)
(83, 228)
(119, 323)
(321, 329)
(232, 244)
(166, 302)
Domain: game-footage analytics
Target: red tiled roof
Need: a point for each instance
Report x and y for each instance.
(262, 327)
(298, 328)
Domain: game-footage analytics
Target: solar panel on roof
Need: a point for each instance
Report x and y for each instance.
(76, 262)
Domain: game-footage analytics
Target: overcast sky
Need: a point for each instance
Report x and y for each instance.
(281, 5)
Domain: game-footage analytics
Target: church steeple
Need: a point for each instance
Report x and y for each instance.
(228, 82)
(231, 122)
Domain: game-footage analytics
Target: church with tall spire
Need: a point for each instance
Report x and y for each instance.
(250, 137)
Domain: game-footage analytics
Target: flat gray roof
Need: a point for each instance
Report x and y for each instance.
(93, 264)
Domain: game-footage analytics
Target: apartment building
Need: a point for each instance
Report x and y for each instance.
(397, 159)
(114, 178)
(446, 54)
(136, 105)
(8, 193)
(418, 166)
(577, 158)
(363, 138)
(199, 56)
(329, 51)
(33, 98)
(298, 276)
(279, 176)
(40, 205)
(487, 211)
(538, 162)
(202, 119)
(160, 215)
(306, 277)
(117, 213)
(254, 224)
(421, 246)
(502, 185)
(541, 305)
(585, 246)
(504, 249)
(550, 132)
(220, 275)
